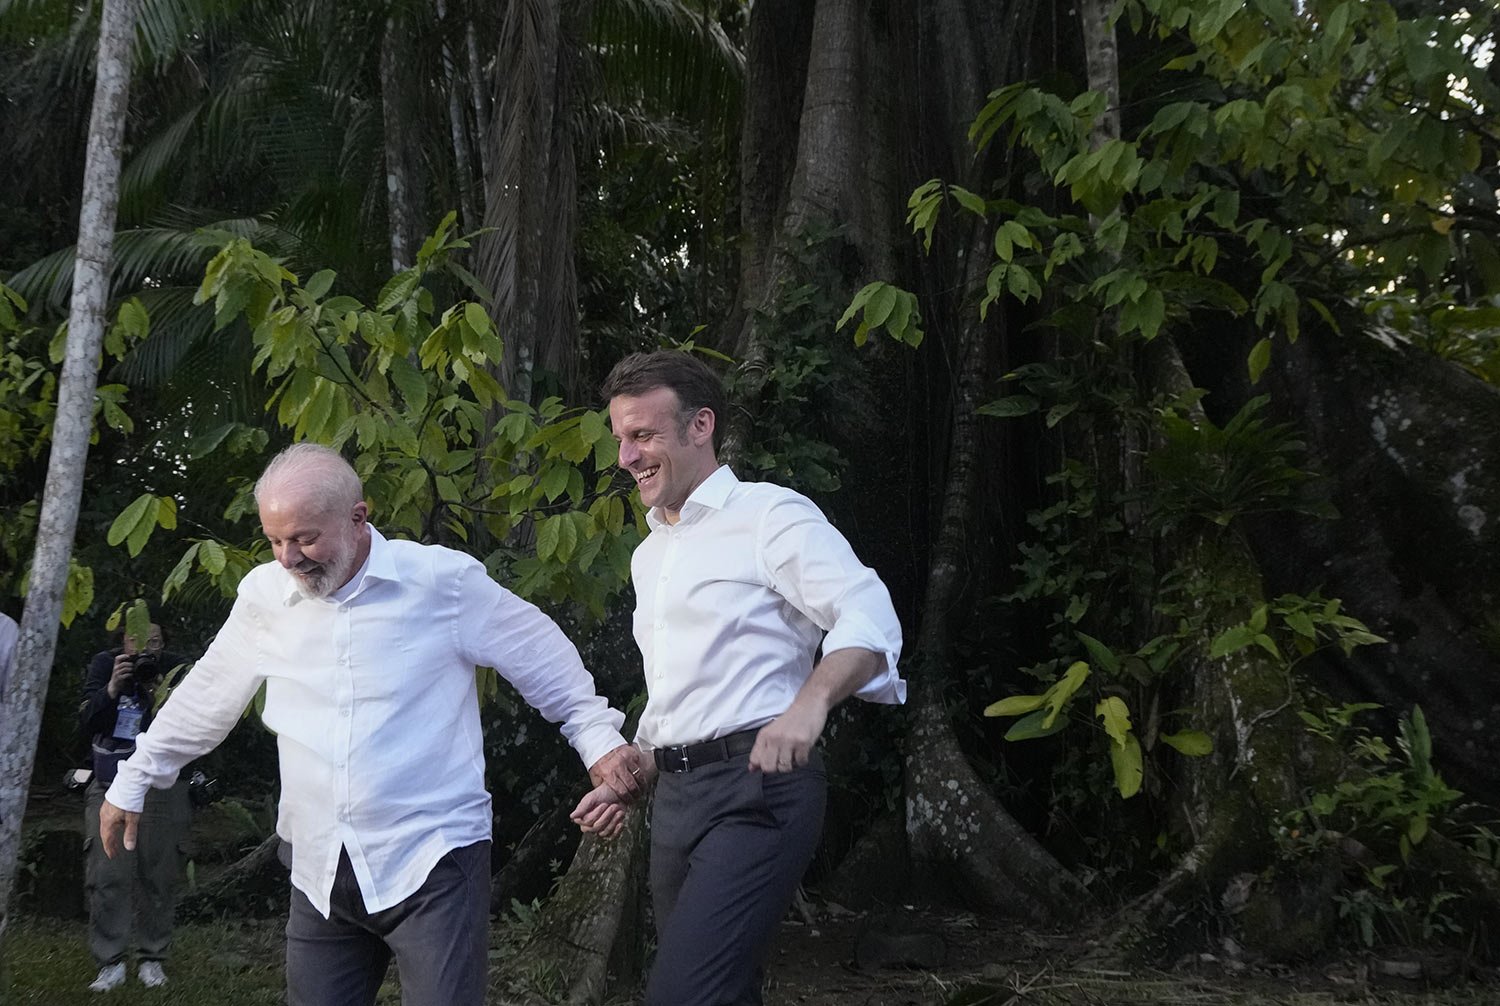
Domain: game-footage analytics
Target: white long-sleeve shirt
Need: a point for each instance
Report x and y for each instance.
(733, 601)
(372, 697)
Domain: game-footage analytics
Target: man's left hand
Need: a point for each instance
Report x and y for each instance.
(621, 770)
(786, 742)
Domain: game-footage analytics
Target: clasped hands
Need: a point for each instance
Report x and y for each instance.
(621, 776)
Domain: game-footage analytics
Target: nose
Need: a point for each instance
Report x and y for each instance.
(288, 554)
(629, 453)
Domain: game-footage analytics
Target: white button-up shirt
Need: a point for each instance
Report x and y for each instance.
(733, 601)
(372, 697)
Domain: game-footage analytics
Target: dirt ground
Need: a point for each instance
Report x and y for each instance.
(830, 962)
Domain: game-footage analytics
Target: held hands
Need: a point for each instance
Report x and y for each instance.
(601, 812)
(625, 770)
(112, 822)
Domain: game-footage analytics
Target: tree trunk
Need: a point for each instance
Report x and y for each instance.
(596, 918)
(527, 263)
(400, 177)
(463, 162)
(21, 704)
(953, 824)
(1406, 444)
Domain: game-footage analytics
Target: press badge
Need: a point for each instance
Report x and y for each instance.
(128, 722)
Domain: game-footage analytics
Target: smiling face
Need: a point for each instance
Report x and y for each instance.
(667, 458)
(322, 547)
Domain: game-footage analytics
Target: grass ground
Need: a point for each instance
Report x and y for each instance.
(44, 963)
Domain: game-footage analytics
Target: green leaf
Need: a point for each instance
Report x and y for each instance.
(211, 553)
(320, 283)
(1231, 640)
(1103, 655)
(1062, 690)
(477, 319)
(1259, 359)
(1128, 765)
(1194, 743)
(410, 381)
(548, 533)
(125, 524)
(1013, 405)
(1014, 705)
(1031, 726)
(1116, 716)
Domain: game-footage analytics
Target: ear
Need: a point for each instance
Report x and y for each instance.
(702, 427)
(360, 513)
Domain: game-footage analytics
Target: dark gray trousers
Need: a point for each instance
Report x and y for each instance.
(728, 849)
(135, 893)
(439, 937)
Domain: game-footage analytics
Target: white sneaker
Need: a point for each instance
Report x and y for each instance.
(151, 974)
(111, 976)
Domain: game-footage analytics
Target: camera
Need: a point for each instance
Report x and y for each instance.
(202, 790)
(145, 665)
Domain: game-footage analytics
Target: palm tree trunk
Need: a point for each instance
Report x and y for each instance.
(400, 183)
(21, 704)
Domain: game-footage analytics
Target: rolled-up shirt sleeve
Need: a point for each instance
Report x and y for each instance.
(808, 562)
(529, 650)
(199, 713)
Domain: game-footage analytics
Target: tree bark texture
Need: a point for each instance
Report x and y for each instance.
(21, 704)
(953, 824)
(458, 128)
(401, 186)
(527, 263)
(1408, 446)
(595, 919)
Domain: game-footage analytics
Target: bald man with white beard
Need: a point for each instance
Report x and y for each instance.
(367, 649)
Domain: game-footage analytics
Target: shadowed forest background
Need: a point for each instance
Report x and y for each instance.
(1146, 349)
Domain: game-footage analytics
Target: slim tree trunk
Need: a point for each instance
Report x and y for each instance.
(400, 182)
(478, 95)
(21, 704)
(463, 162)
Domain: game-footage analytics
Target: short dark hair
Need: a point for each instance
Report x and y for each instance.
(697, 386)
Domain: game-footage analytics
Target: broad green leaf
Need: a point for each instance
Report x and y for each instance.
(1013, 405)
(1128, 766)
(132, 515)
(1032, 726)
(1195, 743)
(1102, 655)
(1014, 705)
(1062, 690)
(1259, 359)
(1116, 716)
(211, 554)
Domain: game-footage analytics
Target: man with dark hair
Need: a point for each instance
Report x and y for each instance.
(367, 649)
(737, 587)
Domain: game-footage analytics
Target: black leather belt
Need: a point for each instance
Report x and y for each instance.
(686, 757)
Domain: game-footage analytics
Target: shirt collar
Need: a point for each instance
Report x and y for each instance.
(380, 564)
(712, 494)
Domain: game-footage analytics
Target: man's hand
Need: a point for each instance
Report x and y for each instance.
(122, 677)
(786, 742)
(601, 812)
(112, 822)
(624, 770)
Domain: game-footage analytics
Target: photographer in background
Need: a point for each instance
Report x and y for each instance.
(121, 691)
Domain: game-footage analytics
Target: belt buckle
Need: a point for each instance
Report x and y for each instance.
(685, 766)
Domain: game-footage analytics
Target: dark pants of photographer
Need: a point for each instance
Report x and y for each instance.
(141, 883)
